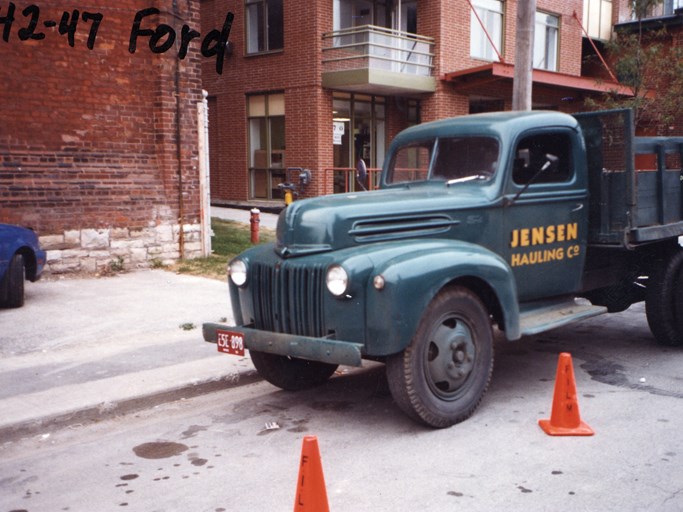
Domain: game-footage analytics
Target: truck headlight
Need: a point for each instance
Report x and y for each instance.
(237, 270)
(337, 280)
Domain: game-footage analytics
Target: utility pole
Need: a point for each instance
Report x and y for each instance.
(524, 52)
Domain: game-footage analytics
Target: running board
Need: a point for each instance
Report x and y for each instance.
(555, 315)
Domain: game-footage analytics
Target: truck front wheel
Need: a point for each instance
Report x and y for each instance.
(664, 300)
(441, 377)
(290, 373)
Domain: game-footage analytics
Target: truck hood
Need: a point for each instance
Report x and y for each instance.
(337, 221)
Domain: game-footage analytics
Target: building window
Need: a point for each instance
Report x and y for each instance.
(671, 6)
(266, 117)
(487, 14)
(264, 25)
(597, 18)
(661, 8)
(546, 41)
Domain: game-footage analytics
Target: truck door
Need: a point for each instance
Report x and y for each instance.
(546, 213)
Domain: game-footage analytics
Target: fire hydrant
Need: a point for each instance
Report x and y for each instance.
(254, 221)
(289, 190)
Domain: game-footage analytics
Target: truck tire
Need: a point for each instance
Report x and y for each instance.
(290, 373)
(441, 377)
(14, 283)
(664, 300)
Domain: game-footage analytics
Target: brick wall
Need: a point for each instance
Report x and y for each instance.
(296, 70)
(89, 138)
(448, 21)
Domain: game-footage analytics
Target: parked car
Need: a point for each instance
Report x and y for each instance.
(21, 258)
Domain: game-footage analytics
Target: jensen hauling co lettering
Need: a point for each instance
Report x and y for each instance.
(544, 235)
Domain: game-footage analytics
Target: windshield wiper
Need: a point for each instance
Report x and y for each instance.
(476, 177)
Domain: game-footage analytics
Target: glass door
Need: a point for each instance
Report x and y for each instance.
(359, 134)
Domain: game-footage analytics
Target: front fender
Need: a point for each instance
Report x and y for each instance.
(416, 275)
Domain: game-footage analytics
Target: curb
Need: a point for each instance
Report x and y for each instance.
(34, 413)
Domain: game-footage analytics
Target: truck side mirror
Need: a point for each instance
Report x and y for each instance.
(551, 162)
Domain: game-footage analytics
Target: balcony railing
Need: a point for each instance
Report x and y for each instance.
(344, 179)
(377, 57)
(369, 46)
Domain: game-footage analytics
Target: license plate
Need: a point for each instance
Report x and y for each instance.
(230, 342)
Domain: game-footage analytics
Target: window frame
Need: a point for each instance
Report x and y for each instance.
(489, 54)
(597, 18)
(547, 28)
(542, 138)
(274, 173)
(263, 24)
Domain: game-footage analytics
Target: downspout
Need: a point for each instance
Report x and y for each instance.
(181, 204)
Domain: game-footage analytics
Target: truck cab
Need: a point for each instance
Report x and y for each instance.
(480, 221)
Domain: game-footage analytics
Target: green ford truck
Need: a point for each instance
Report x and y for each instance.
(521, 222)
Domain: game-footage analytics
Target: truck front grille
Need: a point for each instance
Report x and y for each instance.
(288, 298)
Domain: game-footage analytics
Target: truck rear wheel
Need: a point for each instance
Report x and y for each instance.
(441, 377)
(664, 300)
(290, 373)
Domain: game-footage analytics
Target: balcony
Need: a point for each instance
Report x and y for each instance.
(377, 60)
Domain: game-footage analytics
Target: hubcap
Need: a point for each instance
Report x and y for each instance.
(450, 357)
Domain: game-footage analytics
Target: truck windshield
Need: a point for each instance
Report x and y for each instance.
(411, 162)
(457, 160)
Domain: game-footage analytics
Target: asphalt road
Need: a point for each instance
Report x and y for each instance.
(238, 446)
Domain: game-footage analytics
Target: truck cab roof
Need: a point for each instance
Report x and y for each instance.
(500, 124)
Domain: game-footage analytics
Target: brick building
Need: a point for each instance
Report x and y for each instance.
(324, 83)
(98, 145)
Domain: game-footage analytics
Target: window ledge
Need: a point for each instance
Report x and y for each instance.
(266, 52)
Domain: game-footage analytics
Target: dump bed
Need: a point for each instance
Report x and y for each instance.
(635, 182)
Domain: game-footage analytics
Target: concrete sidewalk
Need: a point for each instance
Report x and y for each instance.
(81, 349)
(267, 220)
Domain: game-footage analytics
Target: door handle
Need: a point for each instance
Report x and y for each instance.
(578, 207)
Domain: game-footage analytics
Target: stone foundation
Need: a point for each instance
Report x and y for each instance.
(102, 250)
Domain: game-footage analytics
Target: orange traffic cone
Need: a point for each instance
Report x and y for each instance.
(311, 495)
(564, 419)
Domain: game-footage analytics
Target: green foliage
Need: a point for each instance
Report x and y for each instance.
(230, 239)
(117, 264)
(650, 64)
(157, 263)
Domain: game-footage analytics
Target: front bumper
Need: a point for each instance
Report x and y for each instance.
(324, 350)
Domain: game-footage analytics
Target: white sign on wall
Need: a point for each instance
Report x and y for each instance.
(337, 132)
